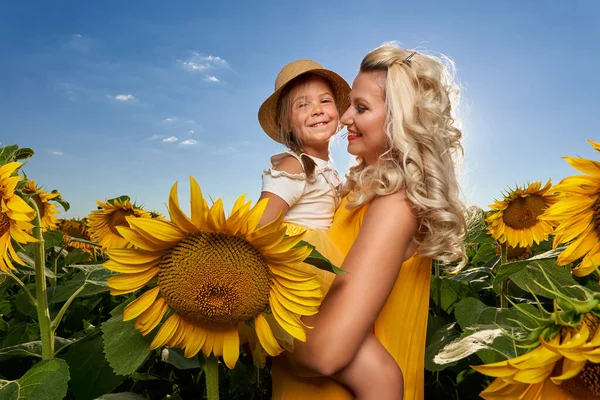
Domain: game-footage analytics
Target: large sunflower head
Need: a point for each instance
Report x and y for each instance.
(104, 222)
(48, 211)
(74, 229)
(570, 359)
(15, 217)
(577, 213)
(516, 218)
(209, 273)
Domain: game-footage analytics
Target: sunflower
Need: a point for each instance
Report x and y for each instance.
(48, 211)
(15, 217)
(577, 213)
(77, 229)
(516, 219)
(569, 360)
(105, 221)
(213, 273)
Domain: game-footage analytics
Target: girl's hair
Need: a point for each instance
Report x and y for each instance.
(284, 107)
(422, 144)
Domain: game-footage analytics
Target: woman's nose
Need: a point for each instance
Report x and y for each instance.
(346, 118)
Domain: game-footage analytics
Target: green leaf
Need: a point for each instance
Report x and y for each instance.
(124, 346)
(122, 396)
(176, 358)
(21, 333)
(511, 268)
(59, 199)
(531, 277)
(23, 303)
(441, 338)
(53, 238)
(23, 154)
(46, 380)
(318, 260)
(31, 349)
(472, 275)
(468, 311)
(467, 345)
(450, 292)
(94, 279)
(7, 154)
(76, 256)
(486, 255)
(91, 375)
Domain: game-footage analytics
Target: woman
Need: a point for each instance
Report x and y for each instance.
(401, 211)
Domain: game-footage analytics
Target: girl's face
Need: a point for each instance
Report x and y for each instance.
(366, 116)
(314, 118)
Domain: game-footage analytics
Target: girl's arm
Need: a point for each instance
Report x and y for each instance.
(355, 299)
(277, 206)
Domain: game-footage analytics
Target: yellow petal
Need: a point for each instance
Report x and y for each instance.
(141, 304)
(150, 318)
(133, 256)
(265, 336)
(160, 231)
(196, 339)
(231, 347)
(166, 332)
(128, 283)
(288, 321)
(198, 205)
(177, 216)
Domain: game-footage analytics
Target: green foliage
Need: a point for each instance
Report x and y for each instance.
(46, 380)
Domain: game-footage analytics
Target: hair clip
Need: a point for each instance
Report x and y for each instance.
(407, 59)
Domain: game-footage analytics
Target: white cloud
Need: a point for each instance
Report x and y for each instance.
(155, 137)
(188, 142)
(198, 62)
(169, 119)
(77, 35)
(57, 153)
(124, 97)
(170, 139)
(191, 132)
(211, 78)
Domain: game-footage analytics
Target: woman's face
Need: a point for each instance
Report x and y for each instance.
(366, 116)
(314, 118)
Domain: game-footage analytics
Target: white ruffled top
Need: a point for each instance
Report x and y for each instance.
(312, 201)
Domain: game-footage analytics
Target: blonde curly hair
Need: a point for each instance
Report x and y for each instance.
(422, 145)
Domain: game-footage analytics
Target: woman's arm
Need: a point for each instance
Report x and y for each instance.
(355, 299)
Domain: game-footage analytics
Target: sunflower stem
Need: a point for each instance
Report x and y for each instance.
(211, 374)
(32, 299)
(504, 286)
(46, 334)
(438, 292)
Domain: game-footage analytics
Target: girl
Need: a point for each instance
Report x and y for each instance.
(303, 114)
(402, 210)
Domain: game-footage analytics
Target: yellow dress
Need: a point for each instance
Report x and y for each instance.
(401, 326)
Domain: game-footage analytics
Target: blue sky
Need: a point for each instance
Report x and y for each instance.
(127, 97)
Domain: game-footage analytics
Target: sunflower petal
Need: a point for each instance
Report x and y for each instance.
(265, 336)
(141, 304)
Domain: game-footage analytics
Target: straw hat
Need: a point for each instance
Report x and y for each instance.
(267, 114)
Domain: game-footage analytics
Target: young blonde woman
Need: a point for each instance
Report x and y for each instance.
(303, 114)
(401, 210)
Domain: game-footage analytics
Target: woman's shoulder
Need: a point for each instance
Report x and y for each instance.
(392, 207)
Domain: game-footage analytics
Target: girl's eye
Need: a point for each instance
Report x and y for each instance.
(361, 109)
(302, 105)
(326, 101)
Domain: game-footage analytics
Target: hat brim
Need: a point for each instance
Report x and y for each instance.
(267, 113)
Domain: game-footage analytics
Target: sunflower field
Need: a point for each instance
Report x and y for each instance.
(129, 304)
